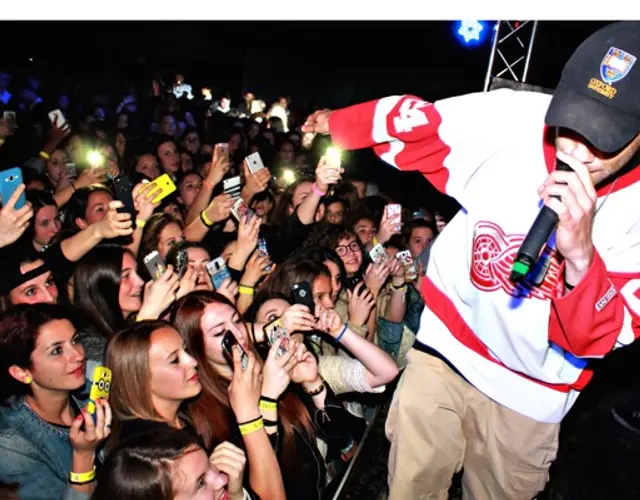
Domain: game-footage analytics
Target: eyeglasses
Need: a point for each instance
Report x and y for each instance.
(342, 250)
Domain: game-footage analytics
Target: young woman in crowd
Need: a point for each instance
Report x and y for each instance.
(109, 292)
(385, 281)
(46, 223)
(170, 464)
(48, 441)
(154, 377)
(369, 369)
(160, 233)
(295, 415)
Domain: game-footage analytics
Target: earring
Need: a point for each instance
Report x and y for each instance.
(28, 380)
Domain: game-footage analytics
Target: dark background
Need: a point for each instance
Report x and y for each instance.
(330, 64)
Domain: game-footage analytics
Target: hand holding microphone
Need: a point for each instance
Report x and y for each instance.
(570, 199)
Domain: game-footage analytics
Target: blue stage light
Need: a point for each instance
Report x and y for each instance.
(471, 32)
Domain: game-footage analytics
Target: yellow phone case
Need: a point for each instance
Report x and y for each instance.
(167, 186)
(100, 387)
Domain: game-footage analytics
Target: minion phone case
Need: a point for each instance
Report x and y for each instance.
(99, 388)
(167, 186)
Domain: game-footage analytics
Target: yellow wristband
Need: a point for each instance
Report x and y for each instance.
(207, 222)
(267, 405)
(1, 141)
(44, 155)
(83, 477)
(140, 223)
(375, 241)
(246, 290)
(253, 426)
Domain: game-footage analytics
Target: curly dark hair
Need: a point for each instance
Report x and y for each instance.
(328, 235)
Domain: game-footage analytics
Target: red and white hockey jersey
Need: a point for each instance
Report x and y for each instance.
(522, 346)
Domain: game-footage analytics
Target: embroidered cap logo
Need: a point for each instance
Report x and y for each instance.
(616, 65)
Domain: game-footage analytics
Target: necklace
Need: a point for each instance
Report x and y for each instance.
(58, 429)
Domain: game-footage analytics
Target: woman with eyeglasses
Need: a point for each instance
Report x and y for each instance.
(367, 371)
(385, 281)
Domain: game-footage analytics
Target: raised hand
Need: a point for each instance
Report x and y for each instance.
(13, 223)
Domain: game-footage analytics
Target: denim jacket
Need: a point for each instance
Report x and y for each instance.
(397, 338)
(35, 454)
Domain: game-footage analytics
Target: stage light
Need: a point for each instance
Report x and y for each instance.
(471, 32)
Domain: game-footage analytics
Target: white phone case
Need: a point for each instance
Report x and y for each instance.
(254, 161)
(378, 253)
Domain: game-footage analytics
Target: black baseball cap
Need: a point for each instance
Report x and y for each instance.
(13, 276)
(598, 95)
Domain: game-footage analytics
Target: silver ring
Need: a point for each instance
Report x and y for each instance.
(106, 426)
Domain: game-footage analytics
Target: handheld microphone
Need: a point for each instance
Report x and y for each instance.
(536, 238)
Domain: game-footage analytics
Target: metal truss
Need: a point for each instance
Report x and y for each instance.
(511, 49)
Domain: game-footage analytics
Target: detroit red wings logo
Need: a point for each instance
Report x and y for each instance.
(493, 255)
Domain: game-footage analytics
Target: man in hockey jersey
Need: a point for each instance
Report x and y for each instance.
(496, 366)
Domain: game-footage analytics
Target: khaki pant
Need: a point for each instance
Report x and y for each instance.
(439, 423)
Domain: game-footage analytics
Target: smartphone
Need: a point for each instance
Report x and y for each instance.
(239, 209)
(275, 330)
(254, 161)
(72, 170)
(301, 294)
(333, 159)
(155, 265)
(10, 118)
(223, 149)
(218, 272)
(410, 271)
(9, 181)
(378, 254)
(182, 263)
(233, 186)
(100, 388)
(262, 248)
(164, 183)
(392, 211)
(123, 187)
(57, 118)
(228, 342)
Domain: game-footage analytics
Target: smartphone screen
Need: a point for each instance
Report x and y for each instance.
(10, 118)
